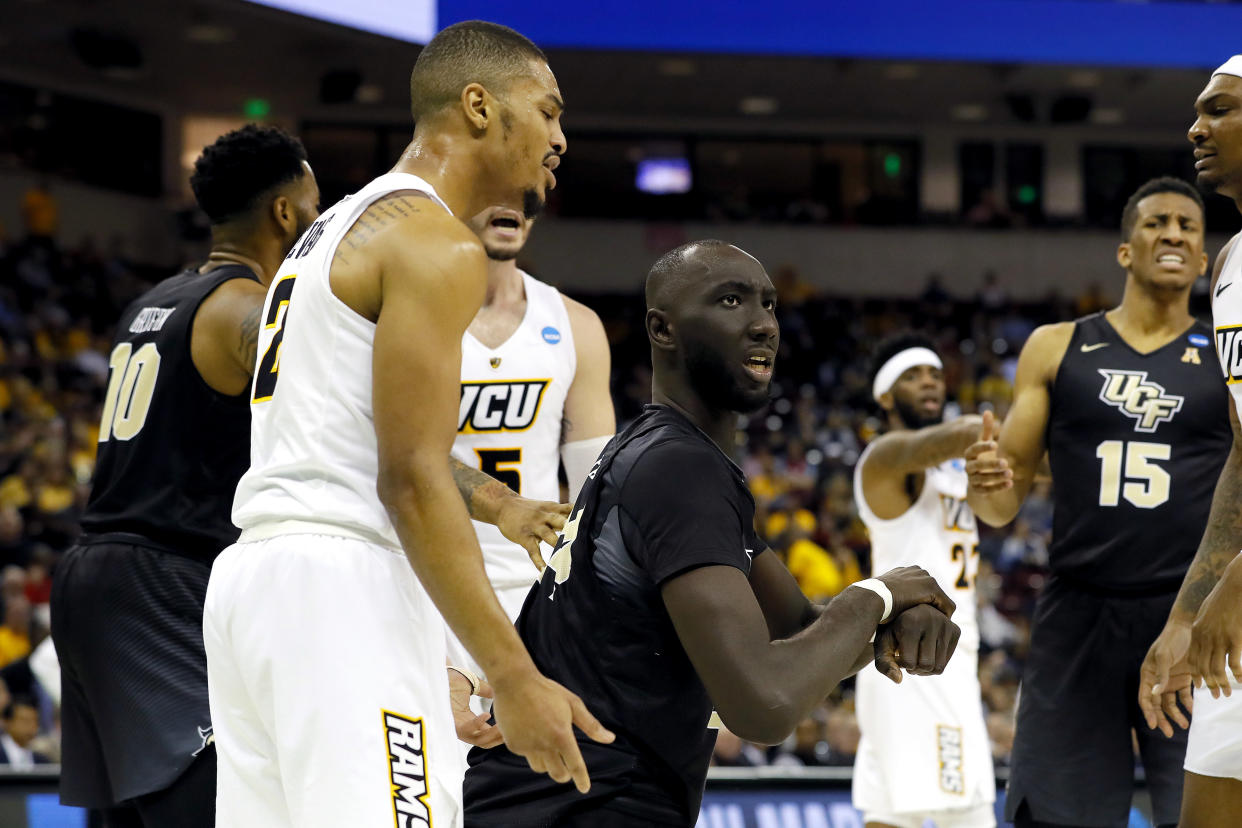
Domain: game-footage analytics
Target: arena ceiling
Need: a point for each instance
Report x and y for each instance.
(209, 56)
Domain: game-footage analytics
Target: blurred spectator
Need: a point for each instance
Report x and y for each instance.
(732, 752)
(21, 726)
(992, 297)
(15, 632)
(40, 213)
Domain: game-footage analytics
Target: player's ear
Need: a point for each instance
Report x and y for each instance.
(886, 401)
(476, 105)
(1203, 263)
(1125, 258)
(282, 213)
(659, 330)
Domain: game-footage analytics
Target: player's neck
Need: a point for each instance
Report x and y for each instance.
(225, 252)
(1144, 312)
(720, 426)
(504, 284)
(453, 173)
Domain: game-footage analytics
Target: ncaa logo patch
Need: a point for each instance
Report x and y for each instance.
(1198, 340)
(407, 767)
(551, 335)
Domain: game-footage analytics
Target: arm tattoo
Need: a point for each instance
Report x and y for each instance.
(248, 347)
(470, 480)
(376, 217)
(1221, 540)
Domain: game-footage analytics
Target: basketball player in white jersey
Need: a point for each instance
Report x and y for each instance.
(924, 752)
(1201, 643)
(535, 369)
(325, 648)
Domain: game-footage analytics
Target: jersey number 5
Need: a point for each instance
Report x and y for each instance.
(502, 465)
(269, 365)
(1147, 485)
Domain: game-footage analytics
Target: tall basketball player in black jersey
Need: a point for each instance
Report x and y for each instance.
(660, 602)
(127, 600)
(1130, 408)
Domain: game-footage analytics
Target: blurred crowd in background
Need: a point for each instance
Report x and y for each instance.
(58, 304)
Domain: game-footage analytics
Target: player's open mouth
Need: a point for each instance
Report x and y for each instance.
(1202, 158)
(1176, 259)
(759, 366)
(506, 224)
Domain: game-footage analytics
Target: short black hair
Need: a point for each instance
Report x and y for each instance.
(1163, 184)
(232, 173)
(893, 345)
(473, 51)
(671, 268)
(18, 700)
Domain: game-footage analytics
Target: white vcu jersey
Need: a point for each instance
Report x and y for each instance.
(924, 747)
(509, 423)
(937, 533)
(313, 452)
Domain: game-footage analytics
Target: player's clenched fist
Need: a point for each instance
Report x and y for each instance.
(986, 470)
(912, 586)
(920, 641)
(537, 717)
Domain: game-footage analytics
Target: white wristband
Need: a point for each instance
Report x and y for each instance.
(879, 588)
(470, 676)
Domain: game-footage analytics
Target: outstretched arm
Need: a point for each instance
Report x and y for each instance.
(896, 455)
(1001, 471)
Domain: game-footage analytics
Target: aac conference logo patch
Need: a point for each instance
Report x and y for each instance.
(551, 335)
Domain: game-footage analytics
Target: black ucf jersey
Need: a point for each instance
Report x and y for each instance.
(171, 448)
(661, 500)
(1136, 442)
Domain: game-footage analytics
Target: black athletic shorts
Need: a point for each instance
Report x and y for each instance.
(501, 791)
(1073, 758)
(127, 621)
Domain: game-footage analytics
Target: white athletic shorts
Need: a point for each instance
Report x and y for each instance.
(1214, 747)
(329, 695)
(924, 747)
(980, 816)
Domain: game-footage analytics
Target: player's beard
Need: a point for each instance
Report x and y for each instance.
(532, 204)
(914, 419)
(716, 385)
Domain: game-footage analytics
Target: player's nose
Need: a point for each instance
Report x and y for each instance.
(1198, 131)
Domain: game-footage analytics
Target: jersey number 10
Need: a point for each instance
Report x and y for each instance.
(131, 382)
(1146, 484)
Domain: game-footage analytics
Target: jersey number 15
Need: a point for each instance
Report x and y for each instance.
(1146, 484)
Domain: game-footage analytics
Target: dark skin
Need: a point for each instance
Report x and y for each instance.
(486, 148)
(766, 655)
(1201, 642)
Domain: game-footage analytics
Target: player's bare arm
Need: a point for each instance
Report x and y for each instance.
(588, 419)
(899, 454)
(763, 687)
(225, 338)
(1002, 470)
(1203, 634)
(525, 522)
(421, 306)
(785, 608)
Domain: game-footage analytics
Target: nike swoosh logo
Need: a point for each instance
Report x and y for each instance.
(1086, 349)
(1221, 288)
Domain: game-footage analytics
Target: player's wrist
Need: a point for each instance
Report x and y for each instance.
(882, 596)
(512, 672)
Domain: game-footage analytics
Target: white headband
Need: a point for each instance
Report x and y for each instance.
(898, 364)
(1233, 66)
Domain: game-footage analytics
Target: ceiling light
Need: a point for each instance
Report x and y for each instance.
(758, 105)
(677, 67)
(969, 112)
